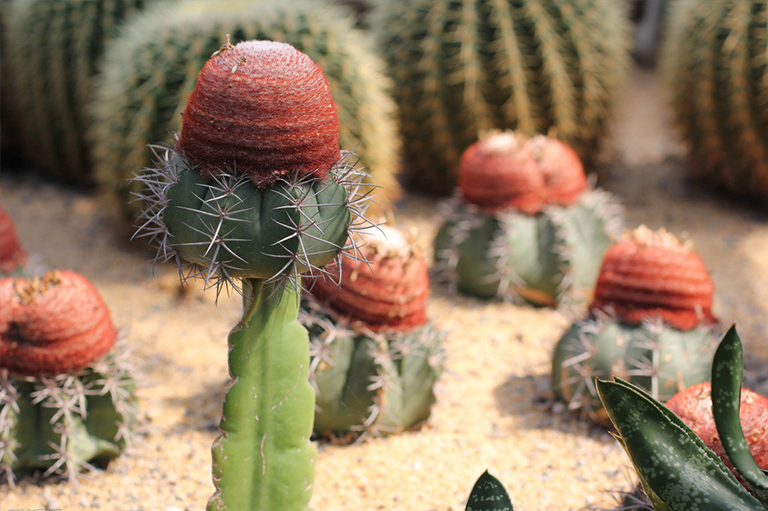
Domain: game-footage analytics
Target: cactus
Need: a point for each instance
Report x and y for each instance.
(66, 398)
(714, 61)
(374, 356)
(676, 469)
(464, 67)
(525, 226)
(54, 49)
(256, 189)
(149, 72)
(12, 254)
(650, 323)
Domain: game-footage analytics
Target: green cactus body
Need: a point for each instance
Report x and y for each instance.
(653, 355)
(149, 72)
(64, 423)
(54, 49)
(548, 258)
(714, 59)
(466, 66)
(370, 383)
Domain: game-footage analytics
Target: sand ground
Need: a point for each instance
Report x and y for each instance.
(494, 409)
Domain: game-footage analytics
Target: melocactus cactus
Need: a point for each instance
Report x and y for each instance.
(650, 323)
(714, 59)
(464, 67)
(375, 356)
(150, 70)
(525, 224)
(12, 254)
(65, 388)
(256, 188)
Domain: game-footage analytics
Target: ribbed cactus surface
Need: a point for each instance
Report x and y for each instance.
(714, 58)
(465, 66)
(150, 71)
(54, 49)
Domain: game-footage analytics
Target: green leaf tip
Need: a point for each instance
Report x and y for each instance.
(488, 494)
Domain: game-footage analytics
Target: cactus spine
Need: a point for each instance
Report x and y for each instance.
(149, 72)
(263, 212)
(466, 66)
(524, 226)
(54, 47)
(714, 60)
(66, 392)
(375, 356)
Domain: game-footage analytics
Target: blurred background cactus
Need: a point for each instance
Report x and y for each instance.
(12, 254)
(149, 72)
(465, 66)
(66, 392)
(526, 225)
(714, 58)
(53, 52)
(375, 356)
(650, 323)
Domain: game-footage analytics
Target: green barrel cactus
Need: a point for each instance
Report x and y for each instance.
(151, 69)
(66, 390)
(374, 355)
(714, 59)
(525, 225)
(53, 50)
(466, 66)
(256, 189)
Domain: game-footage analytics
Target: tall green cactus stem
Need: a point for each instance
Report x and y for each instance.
(714, 59)
(150, 70)
(54, 49)
(466, 66)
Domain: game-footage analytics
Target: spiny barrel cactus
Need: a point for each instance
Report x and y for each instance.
(12, 254)
(650, 323)
(466, 66)
(256, 188)
(714, 58)
(149, 72)
(375, 356)
(525, 224)
(53, 50)
(66, 398)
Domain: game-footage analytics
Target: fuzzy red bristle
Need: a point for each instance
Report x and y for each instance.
(561, 168)
(12, 255)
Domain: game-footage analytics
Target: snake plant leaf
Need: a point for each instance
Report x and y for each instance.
(727, 373)
(676, 469)
(488, 494)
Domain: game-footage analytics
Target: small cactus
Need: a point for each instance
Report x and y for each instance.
(650, 323)
(467, 66)
(525, 225)
(375, 357)
(66, 398)
(12, 254)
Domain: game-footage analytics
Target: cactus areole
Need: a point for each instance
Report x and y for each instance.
(51, 325)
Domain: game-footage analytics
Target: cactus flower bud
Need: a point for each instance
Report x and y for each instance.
(12, 255)
(54, 324)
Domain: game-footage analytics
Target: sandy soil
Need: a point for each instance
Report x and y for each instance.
(494, 408)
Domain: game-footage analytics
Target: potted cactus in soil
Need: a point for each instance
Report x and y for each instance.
(650, 322)
(66, 391)
(525, 225)
(677, 469)
(256, 189)
(12, 255)
(374, 355)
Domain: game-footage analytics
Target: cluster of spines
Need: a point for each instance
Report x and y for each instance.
(463, 67)
(136, 105)
(67, 396)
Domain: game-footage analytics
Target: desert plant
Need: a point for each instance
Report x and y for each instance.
(256, 189)
(374, 355)
(12, 254)
(66, 392)
(525, 224)
(465, 66)
(149, 72)
(650, 323)
(488, 494)
(714, 60)
(53, 51)
(676, 469)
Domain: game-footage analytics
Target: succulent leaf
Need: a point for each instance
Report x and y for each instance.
(488, 494)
